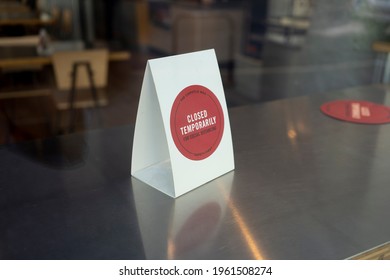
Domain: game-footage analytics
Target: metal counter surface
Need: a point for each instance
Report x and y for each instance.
(305, 186)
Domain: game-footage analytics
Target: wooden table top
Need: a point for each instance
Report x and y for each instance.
(22, 15)
(25, 21)
(381, 46)
(22, 56)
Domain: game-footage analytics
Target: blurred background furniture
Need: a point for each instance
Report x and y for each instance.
(81, 79)
(185, 27)
(12, 57)
(18, 19)
(382, 63)
(204, 30)
(31, 40)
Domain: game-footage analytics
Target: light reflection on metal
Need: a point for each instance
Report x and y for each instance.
(170, 249)
(245, 231)
(292, 134)
(302, 128)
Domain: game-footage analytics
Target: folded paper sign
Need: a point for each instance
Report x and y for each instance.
(182, 136)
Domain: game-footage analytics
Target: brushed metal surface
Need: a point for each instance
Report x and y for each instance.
(305, 186)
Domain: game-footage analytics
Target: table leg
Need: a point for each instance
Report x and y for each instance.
(380, 62)
(386, 75)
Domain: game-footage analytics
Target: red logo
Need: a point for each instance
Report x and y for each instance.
(197, 122)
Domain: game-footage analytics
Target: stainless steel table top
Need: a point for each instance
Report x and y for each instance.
(305, 186)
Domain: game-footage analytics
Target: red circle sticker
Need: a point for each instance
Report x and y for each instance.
(357, 111)
(197, 122)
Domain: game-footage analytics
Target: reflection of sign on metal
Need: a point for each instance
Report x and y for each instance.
(381, 252)
(198, 227)
(187, 225)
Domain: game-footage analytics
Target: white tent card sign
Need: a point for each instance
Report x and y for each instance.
(182, 136)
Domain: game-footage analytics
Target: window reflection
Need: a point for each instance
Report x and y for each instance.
(267, 50)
